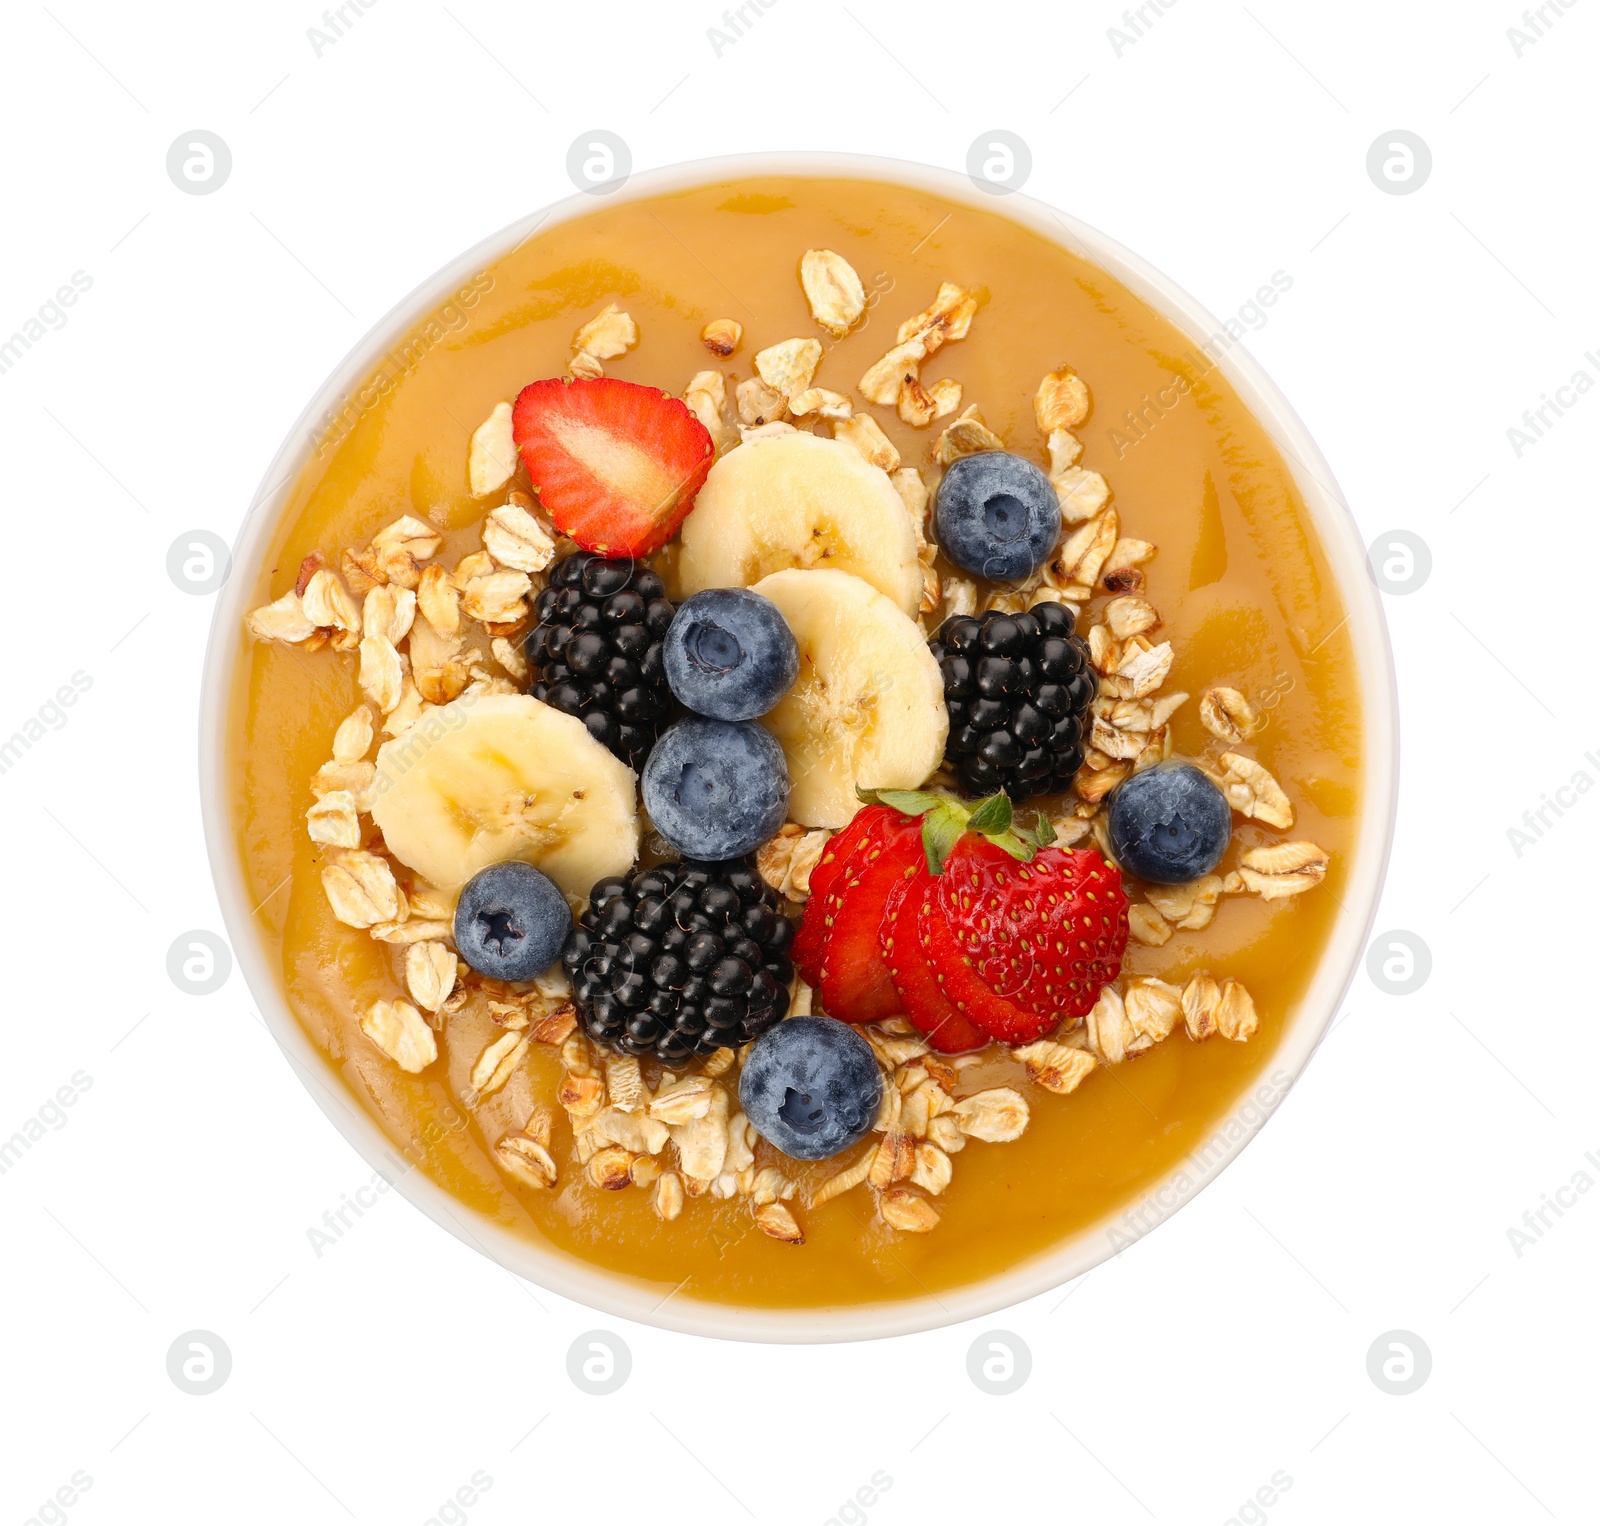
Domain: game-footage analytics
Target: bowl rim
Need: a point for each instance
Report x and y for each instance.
(611, 1293)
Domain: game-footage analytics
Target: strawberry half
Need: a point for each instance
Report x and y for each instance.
(930, 1012)
(856, 986)
(821, 903)
(615, 465)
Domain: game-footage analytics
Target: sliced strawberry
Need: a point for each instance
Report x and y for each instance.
(821, 903)
(1023, 947)
(616, 465)
(856, 986)
(961, 986)
(1047, 934)
(947, 1029)
(1082, 953)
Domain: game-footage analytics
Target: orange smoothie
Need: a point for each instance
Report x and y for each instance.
(1244, 593)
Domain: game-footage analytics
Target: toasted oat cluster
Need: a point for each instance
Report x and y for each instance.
(423, 635)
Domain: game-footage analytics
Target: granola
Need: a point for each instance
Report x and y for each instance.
(786, 861)
(867, 436)
(399, 1031)
(1062, 401)
(492, 453)
(833, 290)
(722, 336)
(787, 368)
(1282, 869)
(610, 333)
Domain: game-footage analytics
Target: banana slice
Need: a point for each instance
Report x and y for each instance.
(868, 707)
(798, 500)
(499, 776)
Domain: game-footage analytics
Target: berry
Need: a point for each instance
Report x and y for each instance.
(811, 1086)
(815, 925)
(924, 1003)
(983, 929)
(1044, 938)
(1169, 824)
(597, 650)
(856, 984)
(1018, 690)
(615, 465)
(511, 921)
(998, 515)
(716, 789)
(730, 654)
(681, 959)
(961, 985)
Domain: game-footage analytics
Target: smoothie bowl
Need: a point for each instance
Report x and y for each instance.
(797, 752)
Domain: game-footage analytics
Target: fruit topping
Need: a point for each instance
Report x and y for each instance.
(1169, 824)
(798, 500)
(716, 789)
(856, 984)
(730, 654)
(998, 515)
(679, 960)
(597, 650)
(816, 924)
(1046, 936)
(1017, 689)
(616, 465)
(867, 710)
(994, 932)
(946, 1028)
(511, 921)
(811, 1086)
(491, 777)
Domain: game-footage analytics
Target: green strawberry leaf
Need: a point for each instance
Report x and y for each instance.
(909, 802)
(1041, 834)
(942, 828)
(991, 815)
(945, 819)
(1014, 845)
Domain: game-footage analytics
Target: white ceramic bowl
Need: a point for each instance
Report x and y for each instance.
(1082, 1251)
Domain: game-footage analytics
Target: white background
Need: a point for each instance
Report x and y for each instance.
(372, 1382)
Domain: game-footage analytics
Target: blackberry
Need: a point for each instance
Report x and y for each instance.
(597, 650)
(1018, 689)
(680, 960)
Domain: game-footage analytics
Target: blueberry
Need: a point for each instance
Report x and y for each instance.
(811, 1086)
(998, 515)
(730, 654)
(511, 921)
(1169, 824)
(716, 789)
